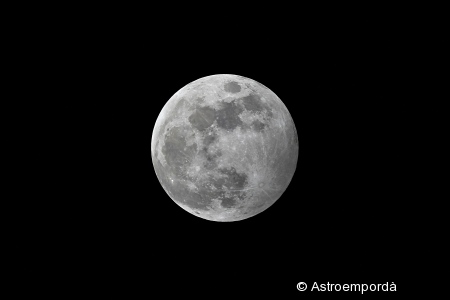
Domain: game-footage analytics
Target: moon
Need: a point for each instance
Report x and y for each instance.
(224, 148)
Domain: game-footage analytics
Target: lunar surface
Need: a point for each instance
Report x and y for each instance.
(224, 148)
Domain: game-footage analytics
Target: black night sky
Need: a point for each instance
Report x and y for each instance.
(92, 209)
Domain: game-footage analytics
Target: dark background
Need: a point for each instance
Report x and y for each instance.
(93, 214)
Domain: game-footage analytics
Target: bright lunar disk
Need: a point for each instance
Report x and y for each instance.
(224, 147)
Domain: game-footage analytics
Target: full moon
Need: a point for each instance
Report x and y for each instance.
(224, 148)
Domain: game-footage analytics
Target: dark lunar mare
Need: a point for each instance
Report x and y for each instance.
(202, 117)
(179, 156)
(234, 181)
(232, 87)
(252, 103)
(179, 191)
(210, 163)
(228, 116)
(258, 126)
(177, 153)
(209, 138)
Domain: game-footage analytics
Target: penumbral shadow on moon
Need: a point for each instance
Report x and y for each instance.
(224, 148)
